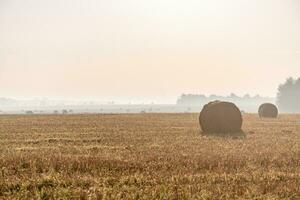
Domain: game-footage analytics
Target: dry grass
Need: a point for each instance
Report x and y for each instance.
(146, 156)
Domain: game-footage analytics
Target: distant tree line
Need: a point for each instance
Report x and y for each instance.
(288, 96)
(245, 102)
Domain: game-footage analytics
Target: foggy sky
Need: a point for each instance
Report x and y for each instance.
(154, 49)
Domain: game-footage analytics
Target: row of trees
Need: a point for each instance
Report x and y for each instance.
(195, 99)
(247, 103)
(288, 98)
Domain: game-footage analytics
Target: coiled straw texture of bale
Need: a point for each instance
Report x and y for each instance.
(220, 117)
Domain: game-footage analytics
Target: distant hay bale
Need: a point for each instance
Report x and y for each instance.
(268, 110)
(220, 117)
(29, 112)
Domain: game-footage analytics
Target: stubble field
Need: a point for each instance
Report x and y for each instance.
(146, 156)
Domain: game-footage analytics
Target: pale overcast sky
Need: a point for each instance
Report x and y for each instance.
(155, 49)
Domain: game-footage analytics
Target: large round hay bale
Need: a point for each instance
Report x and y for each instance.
(268, 110)
(220, 117)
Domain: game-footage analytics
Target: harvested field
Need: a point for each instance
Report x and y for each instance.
(146, 156)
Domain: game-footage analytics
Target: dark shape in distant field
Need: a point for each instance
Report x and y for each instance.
(29, 112)
(268, 110)
(221, 117)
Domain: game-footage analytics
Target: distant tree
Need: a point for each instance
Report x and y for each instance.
(288, 96)
(64, 112)
(212, 96)
(29, 112)
(234, 96)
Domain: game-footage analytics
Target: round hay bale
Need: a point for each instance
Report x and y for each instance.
(221, 117)
(268, 110)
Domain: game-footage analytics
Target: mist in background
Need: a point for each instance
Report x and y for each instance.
(138, 51)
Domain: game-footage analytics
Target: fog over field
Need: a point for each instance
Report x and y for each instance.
(184, 103)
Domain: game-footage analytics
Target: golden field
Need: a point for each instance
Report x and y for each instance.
(146, 156)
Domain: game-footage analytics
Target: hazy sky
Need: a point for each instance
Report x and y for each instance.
(155, 49)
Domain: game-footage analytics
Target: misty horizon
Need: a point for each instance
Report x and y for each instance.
(183, 103)
(128, 100)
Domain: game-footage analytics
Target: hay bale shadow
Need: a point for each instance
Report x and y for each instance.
(232, 135)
